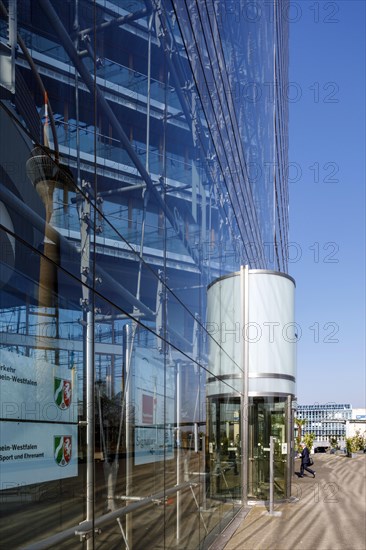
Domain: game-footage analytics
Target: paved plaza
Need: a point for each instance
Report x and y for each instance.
(327, 513)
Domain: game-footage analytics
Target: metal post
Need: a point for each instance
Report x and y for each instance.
(195, 426)
(76, 43)
(244, 292)
(87, 304)
(148, 94)
(271, 472)
(271, 477)
(129, 345)
(90, 421)
(289, 440)
(204, 488)
(178, 437)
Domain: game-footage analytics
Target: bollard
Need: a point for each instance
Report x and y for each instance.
(271, 478)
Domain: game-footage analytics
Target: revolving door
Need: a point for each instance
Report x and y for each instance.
(267, 417)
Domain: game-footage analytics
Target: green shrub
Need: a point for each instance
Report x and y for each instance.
(356, 443)
(333, 441)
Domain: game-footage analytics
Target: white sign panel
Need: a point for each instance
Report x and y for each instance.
(32, 389)
(38, 407)
(34, 453)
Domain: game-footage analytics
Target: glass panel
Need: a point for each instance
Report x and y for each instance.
(225, 449)
(266, 418)
(42, 401)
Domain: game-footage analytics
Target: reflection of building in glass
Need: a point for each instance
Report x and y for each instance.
(143, 158)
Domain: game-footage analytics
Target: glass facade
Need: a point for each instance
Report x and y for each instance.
(143, 155)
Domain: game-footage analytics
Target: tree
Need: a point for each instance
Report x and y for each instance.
(300, 422)
(309, 440)
(333, 441)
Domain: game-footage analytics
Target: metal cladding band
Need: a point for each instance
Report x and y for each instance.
(270, 394)
(272, 375)
(271, 272)
(253, 394)
(253, 272)
(234, 376)
(226, 396)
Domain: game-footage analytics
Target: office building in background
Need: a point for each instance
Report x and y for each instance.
(331, 421)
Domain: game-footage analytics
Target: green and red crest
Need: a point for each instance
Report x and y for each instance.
(62, 448)
(62, 393)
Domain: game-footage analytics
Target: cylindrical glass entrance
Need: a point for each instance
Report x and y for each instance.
(252, 364)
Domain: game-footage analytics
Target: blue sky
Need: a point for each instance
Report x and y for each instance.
(327, 197)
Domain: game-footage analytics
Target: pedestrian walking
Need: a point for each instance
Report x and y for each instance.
(306, 461)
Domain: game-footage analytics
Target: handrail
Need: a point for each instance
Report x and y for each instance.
(84, 528)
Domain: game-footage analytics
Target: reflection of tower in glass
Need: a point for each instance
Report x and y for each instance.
(43, 173)
(46, 174)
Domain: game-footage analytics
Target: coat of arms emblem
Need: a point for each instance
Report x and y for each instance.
(62, 393)
(62, 445)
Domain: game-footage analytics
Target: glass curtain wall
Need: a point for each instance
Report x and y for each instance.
(125, 190)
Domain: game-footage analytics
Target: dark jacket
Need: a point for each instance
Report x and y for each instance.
(305, 456)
